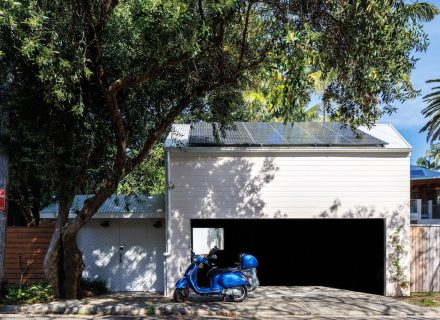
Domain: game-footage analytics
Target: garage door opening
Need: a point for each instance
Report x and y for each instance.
(339, 253)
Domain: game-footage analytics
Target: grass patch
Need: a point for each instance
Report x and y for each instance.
(28, 293)
(423, 299)
(150, 310)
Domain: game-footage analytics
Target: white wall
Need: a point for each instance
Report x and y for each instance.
(295, 185)
(138, 267)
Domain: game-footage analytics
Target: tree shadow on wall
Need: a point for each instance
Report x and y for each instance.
(232, 188)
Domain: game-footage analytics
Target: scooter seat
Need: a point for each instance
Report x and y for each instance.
(216, 271)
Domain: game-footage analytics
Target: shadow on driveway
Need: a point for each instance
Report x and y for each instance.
(265, 302)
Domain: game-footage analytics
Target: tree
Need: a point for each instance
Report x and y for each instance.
(432, 111)
(431, 158)
(149, 177)
(112, 77)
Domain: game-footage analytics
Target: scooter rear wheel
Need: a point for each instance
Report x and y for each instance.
(241, 296)
(180, 295)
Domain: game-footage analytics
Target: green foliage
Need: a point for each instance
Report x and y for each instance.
(431, 158)
(395, 256)
(149, 177)
(29, 293)
(96, 286)
(372, 69)
(151, 310)
(432, 112)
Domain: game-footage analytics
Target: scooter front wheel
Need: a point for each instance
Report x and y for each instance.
(180, 295)
(238, 294)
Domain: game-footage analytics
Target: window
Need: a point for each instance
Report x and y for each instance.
(204, 239)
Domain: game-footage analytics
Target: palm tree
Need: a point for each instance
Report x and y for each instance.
(432, 111)
(431, 160)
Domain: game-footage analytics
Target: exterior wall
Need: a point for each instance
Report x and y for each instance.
(296, 185)
(126, 253)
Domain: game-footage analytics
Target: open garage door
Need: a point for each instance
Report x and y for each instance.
(340, 253)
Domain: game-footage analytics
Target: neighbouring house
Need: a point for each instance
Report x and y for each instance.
(316, 203)
(425, 195)
(124, 242)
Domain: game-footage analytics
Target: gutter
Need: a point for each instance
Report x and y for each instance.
(289, 149)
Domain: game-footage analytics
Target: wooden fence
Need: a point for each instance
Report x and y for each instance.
(24, 253)
(425, 258)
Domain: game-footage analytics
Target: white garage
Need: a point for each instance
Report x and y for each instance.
(321, 198)
(124, 242)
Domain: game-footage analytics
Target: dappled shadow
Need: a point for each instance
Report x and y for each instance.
(267, 302)
(313, 301)
(213, 188)
(231, 188)
(137, 267)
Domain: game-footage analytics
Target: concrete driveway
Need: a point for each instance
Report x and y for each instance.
(265, 302)
(270, 302)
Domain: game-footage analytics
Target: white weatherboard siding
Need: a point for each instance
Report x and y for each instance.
(285, 185)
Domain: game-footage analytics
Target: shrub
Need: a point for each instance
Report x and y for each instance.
(28, 293)
(95, 286)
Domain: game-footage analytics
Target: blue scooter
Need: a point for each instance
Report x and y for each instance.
(223, 281)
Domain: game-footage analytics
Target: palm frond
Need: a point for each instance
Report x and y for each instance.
(421, 11)
(432, 111)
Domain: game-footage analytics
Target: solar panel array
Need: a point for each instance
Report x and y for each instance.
(279, 134)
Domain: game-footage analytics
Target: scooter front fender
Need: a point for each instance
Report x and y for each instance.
(233, 279)
(182, 283)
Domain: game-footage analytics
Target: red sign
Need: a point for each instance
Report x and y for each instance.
(2, 199)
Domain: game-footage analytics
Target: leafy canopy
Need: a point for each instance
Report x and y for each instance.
(106, 78)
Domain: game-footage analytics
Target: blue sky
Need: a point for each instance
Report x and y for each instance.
(408, 118)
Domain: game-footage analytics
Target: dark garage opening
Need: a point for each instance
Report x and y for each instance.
(339, 253)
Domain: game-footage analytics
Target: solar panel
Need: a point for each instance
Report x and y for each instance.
(202, 135)
(279, 134)
(357, 137)
(264, 134)
(295, 135)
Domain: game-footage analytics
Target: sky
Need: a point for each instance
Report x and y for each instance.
(408, 119)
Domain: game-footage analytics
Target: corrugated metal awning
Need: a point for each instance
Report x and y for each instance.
(117, 206)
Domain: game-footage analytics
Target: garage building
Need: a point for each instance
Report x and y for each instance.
(316, 203)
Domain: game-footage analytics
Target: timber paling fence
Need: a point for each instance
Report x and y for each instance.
(25, 251)
(425, 258)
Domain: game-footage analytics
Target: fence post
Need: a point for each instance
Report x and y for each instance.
(419, 209)
(429, 209)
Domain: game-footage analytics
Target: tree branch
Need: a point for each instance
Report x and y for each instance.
(106, 9)
(110, 97)
(244, 36)
(121, 83)
(202, 15)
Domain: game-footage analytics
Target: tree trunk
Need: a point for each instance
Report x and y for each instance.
(63, 263)
(73, 265)
(53, 260)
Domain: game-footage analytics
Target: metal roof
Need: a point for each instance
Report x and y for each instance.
(270, 134)
(117, 206)
(419, 173)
